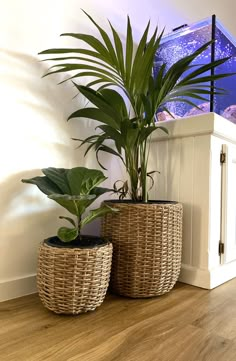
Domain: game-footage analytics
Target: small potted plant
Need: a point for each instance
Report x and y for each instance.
(125, 97)
(73, 269)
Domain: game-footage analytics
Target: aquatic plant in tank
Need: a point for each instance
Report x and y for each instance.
(184, 41)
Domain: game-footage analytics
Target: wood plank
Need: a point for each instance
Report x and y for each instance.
(187, 324)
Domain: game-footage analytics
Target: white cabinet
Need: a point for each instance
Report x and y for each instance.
(190, 160)
(228, 231)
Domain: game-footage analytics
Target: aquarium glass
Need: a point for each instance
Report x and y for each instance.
(184, 42)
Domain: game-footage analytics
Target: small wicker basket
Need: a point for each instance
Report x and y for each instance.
(147, 245)
(73, 280)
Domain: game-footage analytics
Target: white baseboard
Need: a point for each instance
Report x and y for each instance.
(195, 276)
(191, 275)
(17, 288)
(207, 278)
(223, 273)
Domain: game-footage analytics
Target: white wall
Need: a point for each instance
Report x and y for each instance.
(34, 132)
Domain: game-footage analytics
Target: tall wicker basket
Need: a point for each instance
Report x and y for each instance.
(147, 245)
(73, 280)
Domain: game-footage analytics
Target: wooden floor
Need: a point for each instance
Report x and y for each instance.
(188, 324)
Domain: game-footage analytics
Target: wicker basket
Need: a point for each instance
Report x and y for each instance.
(73, 280)
(147, 245)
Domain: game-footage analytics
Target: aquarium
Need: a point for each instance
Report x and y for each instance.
(184, 41)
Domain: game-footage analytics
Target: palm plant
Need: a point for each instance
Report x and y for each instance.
(74, 189)
(124, 72)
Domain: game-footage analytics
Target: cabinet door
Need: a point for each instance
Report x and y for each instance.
(228, 226)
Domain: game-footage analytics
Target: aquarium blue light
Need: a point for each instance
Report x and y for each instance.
(184, 42)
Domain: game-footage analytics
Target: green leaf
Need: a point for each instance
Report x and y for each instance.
(44, 184)
(126, 115)
(119, 51)
(99, 101)
(92, 54)
(82, 180)
(205, 68)
(163, 129)
(107, 149)
(98, 191)
(96, 213)
(138, 55)
(94, 113)
(71, 67)
(106, 40)
(67, 234)
(93, 42)
(144, 68)
(75, 204)
(146, 132)
(69, 220)
(116, 101)
(204, 79)
(58, 176)
(129, 53)
(114, 135)
(83, 59)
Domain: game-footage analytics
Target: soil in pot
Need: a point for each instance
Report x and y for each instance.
(86, 241)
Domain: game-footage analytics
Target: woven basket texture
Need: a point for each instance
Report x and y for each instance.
(73, 280)
(147, 247)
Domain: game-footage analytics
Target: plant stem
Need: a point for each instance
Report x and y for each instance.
(79, 227)
(143, 175)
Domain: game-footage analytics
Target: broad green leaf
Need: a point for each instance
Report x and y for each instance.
(75, 204)
(67, 234)
(44, 184)
(98, 191)
(82, 180)
(58, 176)
(96, 213)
